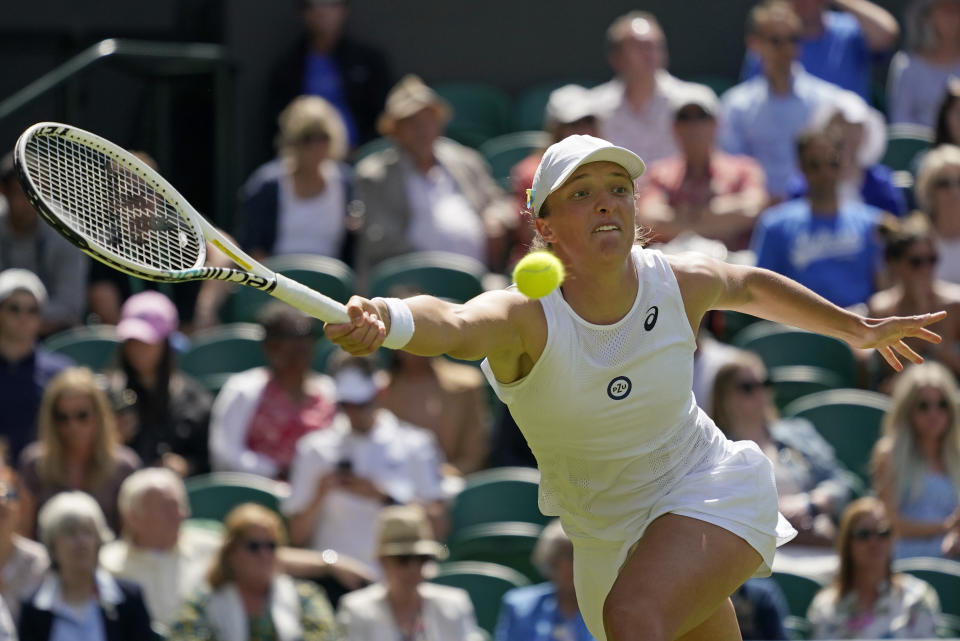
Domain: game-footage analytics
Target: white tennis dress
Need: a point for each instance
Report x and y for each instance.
(609, 413)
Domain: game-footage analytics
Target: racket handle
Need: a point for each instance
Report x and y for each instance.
(309, 300)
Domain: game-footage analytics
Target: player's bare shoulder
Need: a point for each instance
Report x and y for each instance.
(528, 335)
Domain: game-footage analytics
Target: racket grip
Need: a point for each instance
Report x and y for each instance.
(309, 300)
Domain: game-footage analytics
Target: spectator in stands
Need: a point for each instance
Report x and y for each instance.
(863, 139)
(761, 609)
(931, 55)
(23, 562)
(29, 243)
(937, 192)
(249, 596)
(403, 605)
(8, 632)
(821, 241)
(840, 45)
(916, 463)
(571, 110)
(261, 413)
(867, 600)
(701, 190)
(343, 476)
(297, 204)
(78, 599)
(78, 447)
(447, 398)
(549, 610)
(427, 192)
(762, 117)
(910, 254)
(25, 366)
(162, 413)
(169, 558)
(351, 75)
(812, 485)
(947, 130)
(636, 104)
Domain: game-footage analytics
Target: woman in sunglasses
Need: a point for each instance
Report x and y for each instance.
(249, 599)
(916, 463)
(867, 600)
(812, 487)
(937, 192)
(78, 447)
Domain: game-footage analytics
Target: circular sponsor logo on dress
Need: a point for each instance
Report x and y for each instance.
(619, 388)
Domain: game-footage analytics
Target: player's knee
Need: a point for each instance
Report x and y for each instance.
(632, 617)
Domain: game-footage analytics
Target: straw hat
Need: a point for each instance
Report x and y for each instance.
(409, 96)
(404, 530)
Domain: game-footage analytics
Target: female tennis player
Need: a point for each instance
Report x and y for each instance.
(666, 515)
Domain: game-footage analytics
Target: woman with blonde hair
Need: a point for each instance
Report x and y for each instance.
(867, 600)
(916, 463)
(249, 599)
(297, 203)
(77, 447)
(937, 192)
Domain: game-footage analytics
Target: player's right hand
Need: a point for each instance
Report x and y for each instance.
(365, 331)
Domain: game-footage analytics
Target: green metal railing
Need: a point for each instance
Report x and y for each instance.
(160, 61)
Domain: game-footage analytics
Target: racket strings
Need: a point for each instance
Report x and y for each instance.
(110, 204)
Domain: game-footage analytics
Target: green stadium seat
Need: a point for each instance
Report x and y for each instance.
(724, 324)
(486, 583)
(443, 274)
(322, 273)
(212, 496)
(944, 576)
(496, 495)
(510, 544)
(904, 143)
(781, 345)
(799, 591)
(849, 419)
(503, 152)
(93, 346)
(531, 103)
(229, 348)
(791, 382)
(480, 111)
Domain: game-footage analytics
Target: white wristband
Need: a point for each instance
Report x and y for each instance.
(401, 323)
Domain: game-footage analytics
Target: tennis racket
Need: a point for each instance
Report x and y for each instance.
(121, 212)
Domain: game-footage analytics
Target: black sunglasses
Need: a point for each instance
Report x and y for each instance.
(316, 137)
(926, 406)
(693, 116)
(864, 534)
(816, 165)
(407, 559)
(946, 182)
(253, 547)
(779, 41)
(64, 417)
(30, 310)
(749, 387)
(917, 262)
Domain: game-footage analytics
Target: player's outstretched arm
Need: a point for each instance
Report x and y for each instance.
(493, 323)
(710, 284)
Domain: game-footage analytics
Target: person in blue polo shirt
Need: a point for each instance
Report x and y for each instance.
(822, 241)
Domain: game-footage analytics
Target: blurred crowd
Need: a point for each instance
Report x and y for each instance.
(798, 166)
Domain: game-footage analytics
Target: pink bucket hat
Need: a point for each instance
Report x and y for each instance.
(149, 317)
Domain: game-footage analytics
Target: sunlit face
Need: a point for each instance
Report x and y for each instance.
(418, 132)
(930, 415)
(871, 542)
(694, 129)
(311, 148)
(20, 317)
(254, 559)
(76, 547)
(403, 573)
(776, 42)
(75, 418)
(592, 215)
(749, 396)
(945, 194)
(917, 264)
(641, 49)
(154, 522)
(144, 357)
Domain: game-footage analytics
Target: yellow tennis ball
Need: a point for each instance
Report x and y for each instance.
(538, 273)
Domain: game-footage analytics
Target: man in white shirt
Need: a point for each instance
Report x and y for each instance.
(636, 107)
(344, 475)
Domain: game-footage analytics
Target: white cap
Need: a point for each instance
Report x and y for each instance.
(355, 386)
(691, 93)
(562, 158)
(15, 279)
(853, 109)
(568, 104)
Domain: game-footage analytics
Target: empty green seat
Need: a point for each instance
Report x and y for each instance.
(443, 274)
(507, 543)
(781, 345)
(904, 143)
(791, 382)
(94, 346)
(849, 419)
(480, 111)
(799, 591)
(496, 495)
(944, 576)
(325, 274)
(369, 148)
(212, 496)
(531, 103)
(503, 152)
(486, 583)
(229, 348)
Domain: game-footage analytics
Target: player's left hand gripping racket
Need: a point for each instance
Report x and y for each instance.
(115, 208)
